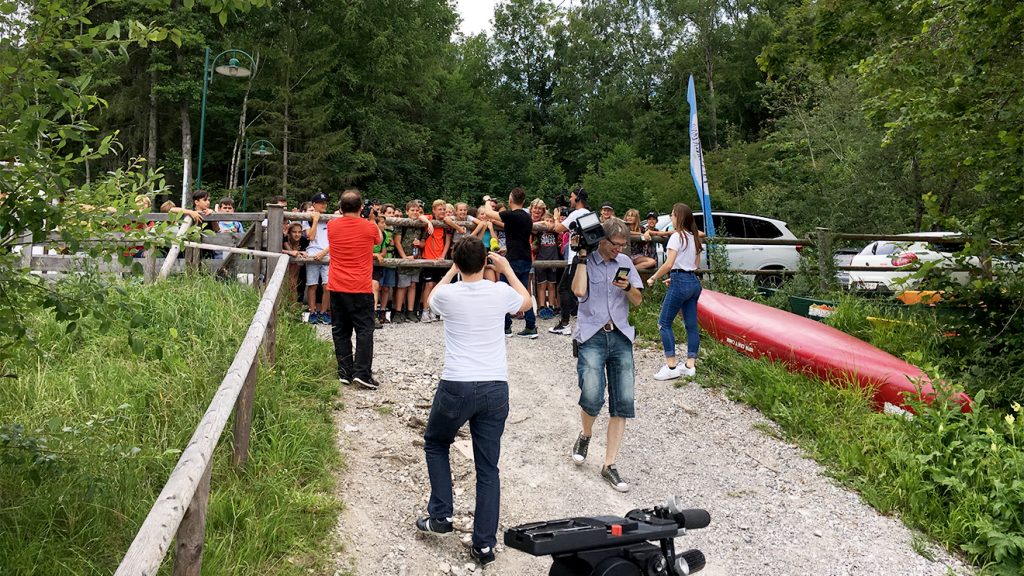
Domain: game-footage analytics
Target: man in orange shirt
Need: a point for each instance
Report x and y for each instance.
(351, 241)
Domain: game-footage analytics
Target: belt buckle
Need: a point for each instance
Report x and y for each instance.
(608, 327)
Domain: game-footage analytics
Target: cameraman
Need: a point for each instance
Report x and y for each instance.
(605, 342)
(349, 281)
(578, 202)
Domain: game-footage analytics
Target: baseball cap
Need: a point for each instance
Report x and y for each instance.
(652, 215)
(607, 205)
(318, 198)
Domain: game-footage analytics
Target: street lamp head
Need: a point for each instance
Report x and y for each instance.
(262, 151)
(233, 69)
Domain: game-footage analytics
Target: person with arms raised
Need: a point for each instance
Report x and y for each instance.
(473, 387)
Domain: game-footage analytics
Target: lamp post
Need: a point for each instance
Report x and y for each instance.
(232, 69)
(263, 152)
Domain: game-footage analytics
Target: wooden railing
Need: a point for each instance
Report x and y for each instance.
(180, 510)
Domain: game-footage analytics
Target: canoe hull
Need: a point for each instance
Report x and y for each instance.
(808, 346)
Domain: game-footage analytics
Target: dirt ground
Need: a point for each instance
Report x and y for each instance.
(773, 510)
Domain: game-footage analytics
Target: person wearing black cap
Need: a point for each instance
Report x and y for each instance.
(578, 202)
(607, 211)
(318, 250)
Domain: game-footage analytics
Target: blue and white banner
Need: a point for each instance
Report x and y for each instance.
(697, 171)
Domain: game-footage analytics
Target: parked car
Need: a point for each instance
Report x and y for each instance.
(747, 256)
(844, 257)
(900, 258)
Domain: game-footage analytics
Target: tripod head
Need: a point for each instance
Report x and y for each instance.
(613, 545)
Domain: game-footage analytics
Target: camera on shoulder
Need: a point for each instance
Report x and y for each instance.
(367, 208)
(588, 231)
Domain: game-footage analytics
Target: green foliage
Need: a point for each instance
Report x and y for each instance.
(96, 419)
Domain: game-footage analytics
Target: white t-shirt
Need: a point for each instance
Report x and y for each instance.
(686, 256)
(474, 328)
(319, 243)
(572, 217)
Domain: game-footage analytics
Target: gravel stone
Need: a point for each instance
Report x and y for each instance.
(771, 507)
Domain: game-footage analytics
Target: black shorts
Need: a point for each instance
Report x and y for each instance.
(546, 275)
(432, 275)
(378, 273)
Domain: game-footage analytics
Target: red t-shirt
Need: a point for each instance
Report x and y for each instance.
(433, 245)
(351, 248)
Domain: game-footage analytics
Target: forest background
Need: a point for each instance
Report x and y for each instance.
(858, 115)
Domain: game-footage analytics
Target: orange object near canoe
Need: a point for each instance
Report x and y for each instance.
(812, 347)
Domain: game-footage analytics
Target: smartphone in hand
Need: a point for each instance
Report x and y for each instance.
(622, 274)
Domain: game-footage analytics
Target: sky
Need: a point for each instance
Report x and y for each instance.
(476, 15)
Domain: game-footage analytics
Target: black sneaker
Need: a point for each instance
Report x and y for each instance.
(377, 324)
(372, 384)
(508, 332)
(579, 449)
(611, 476)
(527, 333)
(344, 379)
(437, 525)
(414, 317)
(482, 555)
(398, 318)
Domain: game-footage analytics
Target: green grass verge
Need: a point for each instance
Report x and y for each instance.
(957, 478)
(90, 430)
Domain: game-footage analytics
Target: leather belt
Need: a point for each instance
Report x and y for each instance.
(609, 327)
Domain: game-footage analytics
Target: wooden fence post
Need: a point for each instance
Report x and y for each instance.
(26, 251)
(188, 552)
(242, 428)
(824, 245)
(149, 266)
(270, 340)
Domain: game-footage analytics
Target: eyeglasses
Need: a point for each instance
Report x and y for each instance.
(619, 245)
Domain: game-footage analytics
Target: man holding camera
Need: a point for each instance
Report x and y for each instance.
(473, 387)
(349, 281)
(607, 284)
(578, 203)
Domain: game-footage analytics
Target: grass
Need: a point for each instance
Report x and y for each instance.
(90, 430)
(957, 478)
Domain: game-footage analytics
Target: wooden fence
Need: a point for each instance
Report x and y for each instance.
(180, 510)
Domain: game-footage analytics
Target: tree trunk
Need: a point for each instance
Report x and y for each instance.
(239, 150)
(151, 149)
(709, 69)
(915, 178)
(284, 142)
(186, 156)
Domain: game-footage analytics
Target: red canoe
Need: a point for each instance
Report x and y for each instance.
(809, 346)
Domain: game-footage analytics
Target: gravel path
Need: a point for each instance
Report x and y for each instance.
(773, 511)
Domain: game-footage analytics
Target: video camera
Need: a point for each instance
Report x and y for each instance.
(368, 208)
(615, 546)
(587, 231)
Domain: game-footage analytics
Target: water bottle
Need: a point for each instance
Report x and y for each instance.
(415, 251)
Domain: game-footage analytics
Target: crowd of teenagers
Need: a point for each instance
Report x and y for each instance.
(493, 276)
(402, 295)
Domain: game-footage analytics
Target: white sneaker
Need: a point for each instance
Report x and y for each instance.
(667, 373)
(687, 371)
(427, 316)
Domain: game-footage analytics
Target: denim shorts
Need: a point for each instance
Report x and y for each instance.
(388, 277)
(606, 361)
(316, 274)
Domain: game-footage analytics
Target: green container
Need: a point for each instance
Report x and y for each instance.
(812, 308)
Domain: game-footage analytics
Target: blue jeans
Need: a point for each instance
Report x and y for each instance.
(522, 270)
(683, 292)
(606, 360)
(485, 406)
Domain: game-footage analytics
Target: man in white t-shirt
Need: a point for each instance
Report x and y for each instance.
(578, 201)
(473, 387)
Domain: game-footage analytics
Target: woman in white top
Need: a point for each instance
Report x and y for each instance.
(684, 289)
